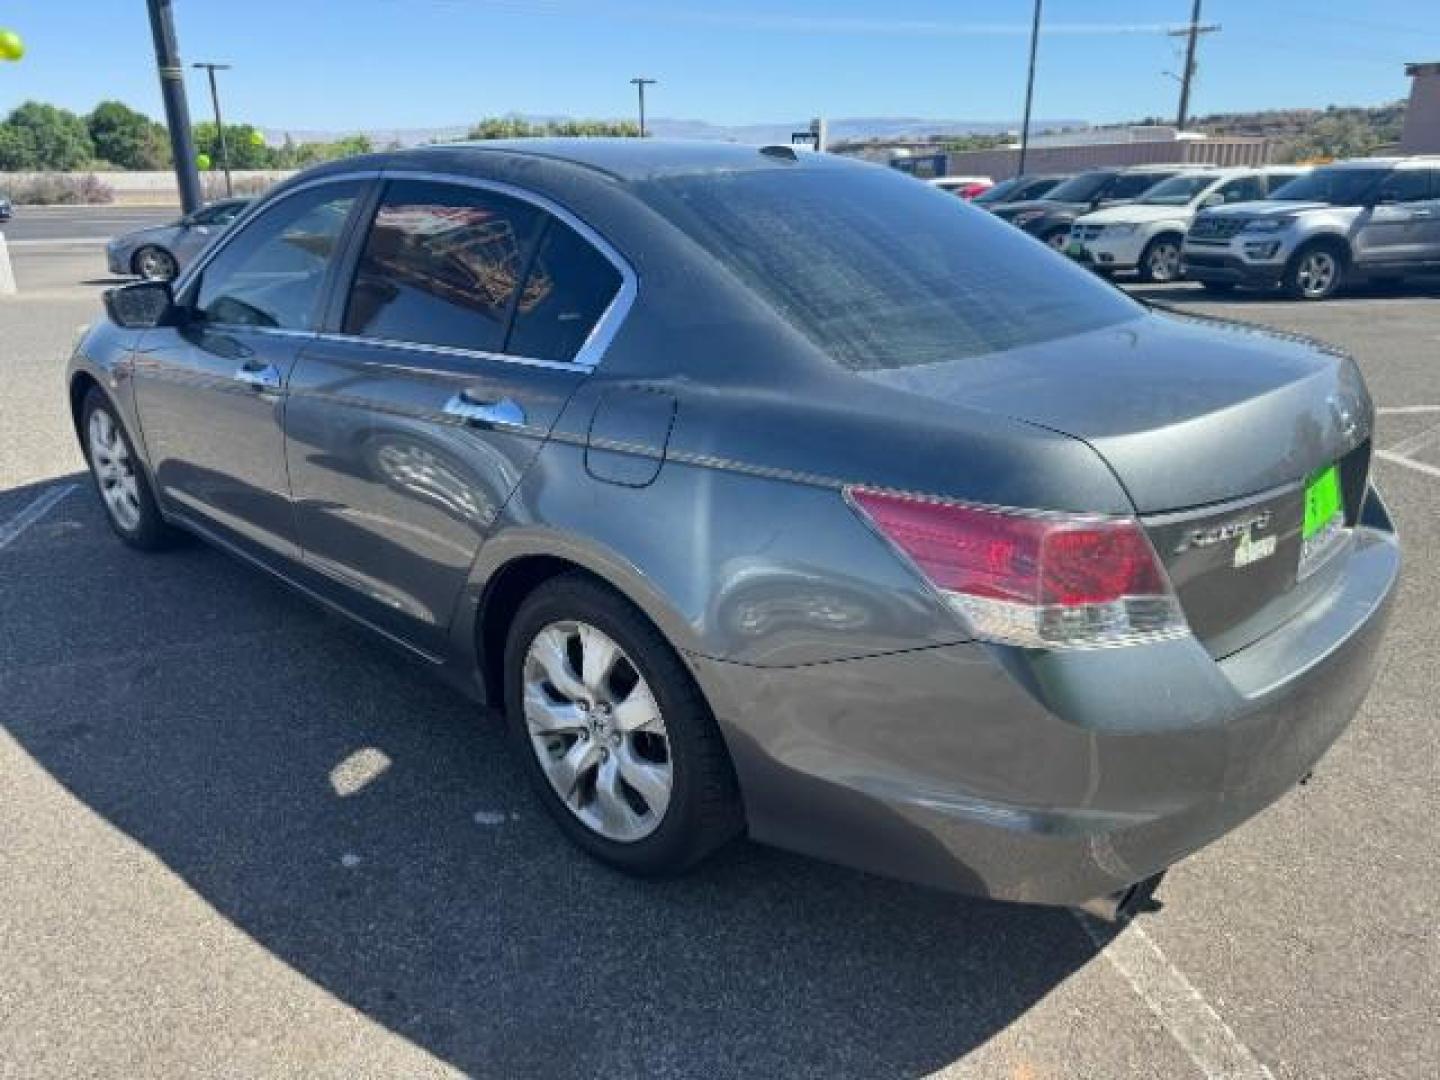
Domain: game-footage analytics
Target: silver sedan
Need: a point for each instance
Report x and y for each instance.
(161, 252)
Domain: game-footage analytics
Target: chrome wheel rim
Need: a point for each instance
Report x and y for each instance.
(597, 731)
(1316, 273)
(154, 264)
(1165, 262)
(114, 471)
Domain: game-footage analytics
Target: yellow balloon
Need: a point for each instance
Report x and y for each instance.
(11, 47)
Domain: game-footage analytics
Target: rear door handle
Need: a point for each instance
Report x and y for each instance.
(260, 376)
(505, 412)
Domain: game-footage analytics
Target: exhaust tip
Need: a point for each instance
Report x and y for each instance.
(1125, 904)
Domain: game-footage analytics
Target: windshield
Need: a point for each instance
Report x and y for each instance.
(1080, 188)
(1177, 191)
(1000, 192)
(1339, 187)
(880, 272)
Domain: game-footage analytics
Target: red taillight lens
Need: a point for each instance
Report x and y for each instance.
(1042, 580)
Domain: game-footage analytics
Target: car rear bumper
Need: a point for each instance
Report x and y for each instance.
(1229, 269)
(1049, 777)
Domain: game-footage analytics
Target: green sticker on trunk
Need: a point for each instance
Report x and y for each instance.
(1322, 501)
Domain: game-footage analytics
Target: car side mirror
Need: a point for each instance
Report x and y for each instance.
(141, 306)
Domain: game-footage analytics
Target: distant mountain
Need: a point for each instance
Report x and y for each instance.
(842, 129)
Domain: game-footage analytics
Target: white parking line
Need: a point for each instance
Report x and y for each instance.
(1406, 410)
(1409, 463)
(1191, 1020)
(38, 508)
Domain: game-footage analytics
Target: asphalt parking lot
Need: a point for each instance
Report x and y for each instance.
(239, 837)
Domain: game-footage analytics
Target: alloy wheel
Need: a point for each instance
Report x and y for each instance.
(1316, 274)
(1164, 261)
(114, 471)
(154, 264)
(597, 731)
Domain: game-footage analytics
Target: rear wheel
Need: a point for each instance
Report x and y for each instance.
(154, 263)
(615, 734)
(119, 478)
(1316, 272)
(1160, 261)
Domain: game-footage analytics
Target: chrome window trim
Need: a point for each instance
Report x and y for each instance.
(457, 352)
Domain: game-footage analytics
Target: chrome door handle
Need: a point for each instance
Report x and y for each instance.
(506, 412)
(261, 378)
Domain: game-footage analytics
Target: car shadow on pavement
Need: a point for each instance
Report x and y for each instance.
(365, 825)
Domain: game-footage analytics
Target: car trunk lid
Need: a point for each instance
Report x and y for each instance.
(1214, 429)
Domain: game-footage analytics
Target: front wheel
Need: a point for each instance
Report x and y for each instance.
(119, 478)
(154, 264)
(1315, 273)
(1160, 261)
(614, 732)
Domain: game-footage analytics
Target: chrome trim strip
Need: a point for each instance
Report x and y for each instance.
(442, 350)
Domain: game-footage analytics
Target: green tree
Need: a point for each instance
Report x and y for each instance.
(126, 138)
(43, 138)
(245, 149)
(515, 127)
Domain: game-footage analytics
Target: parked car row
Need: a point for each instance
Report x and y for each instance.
(1303, 230)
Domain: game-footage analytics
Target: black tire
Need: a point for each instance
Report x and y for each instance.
(1056, 239)
(154, 263)
(1218, 286)
(1147, 272)
(149, 532)
(1295, 280)
(704, 810)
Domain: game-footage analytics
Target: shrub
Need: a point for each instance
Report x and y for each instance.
(60, 189)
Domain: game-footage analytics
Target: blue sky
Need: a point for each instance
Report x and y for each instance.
(338, 64)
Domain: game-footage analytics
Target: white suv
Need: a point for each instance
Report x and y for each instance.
(1146, 235)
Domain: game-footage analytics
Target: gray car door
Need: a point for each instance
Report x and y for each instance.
(467, 324)
(1395, 228)
(211, 391)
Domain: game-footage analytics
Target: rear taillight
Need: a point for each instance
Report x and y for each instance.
(1038, 580)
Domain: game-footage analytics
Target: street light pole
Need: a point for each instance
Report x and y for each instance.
(177, 111)
(1029, 90)
(640, 84)
(219, 124)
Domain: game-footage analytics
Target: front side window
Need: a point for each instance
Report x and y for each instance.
(273, 272)
(442, 265)
(1338, 187)
(1403, 186)
(569, 287)
(1244, 189)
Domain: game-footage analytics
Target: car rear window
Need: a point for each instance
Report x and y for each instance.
(882, 272)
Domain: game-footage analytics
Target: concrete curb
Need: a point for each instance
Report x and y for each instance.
(7, 272)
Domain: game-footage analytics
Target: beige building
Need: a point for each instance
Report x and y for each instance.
(1182, 149)
(1422, 114)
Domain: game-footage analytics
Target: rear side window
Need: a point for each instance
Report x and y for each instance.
(272, 273)
(881, 272)
(442, 265)
(569, 287)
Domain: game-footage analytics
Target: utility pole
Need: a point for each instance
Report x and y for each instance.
(1192, 32)
(1029, 90)
(177, 111)
(219, 124)
(640, 84)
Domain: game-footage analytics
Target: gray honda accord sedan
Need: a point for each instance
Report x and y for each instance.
(772, 493)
